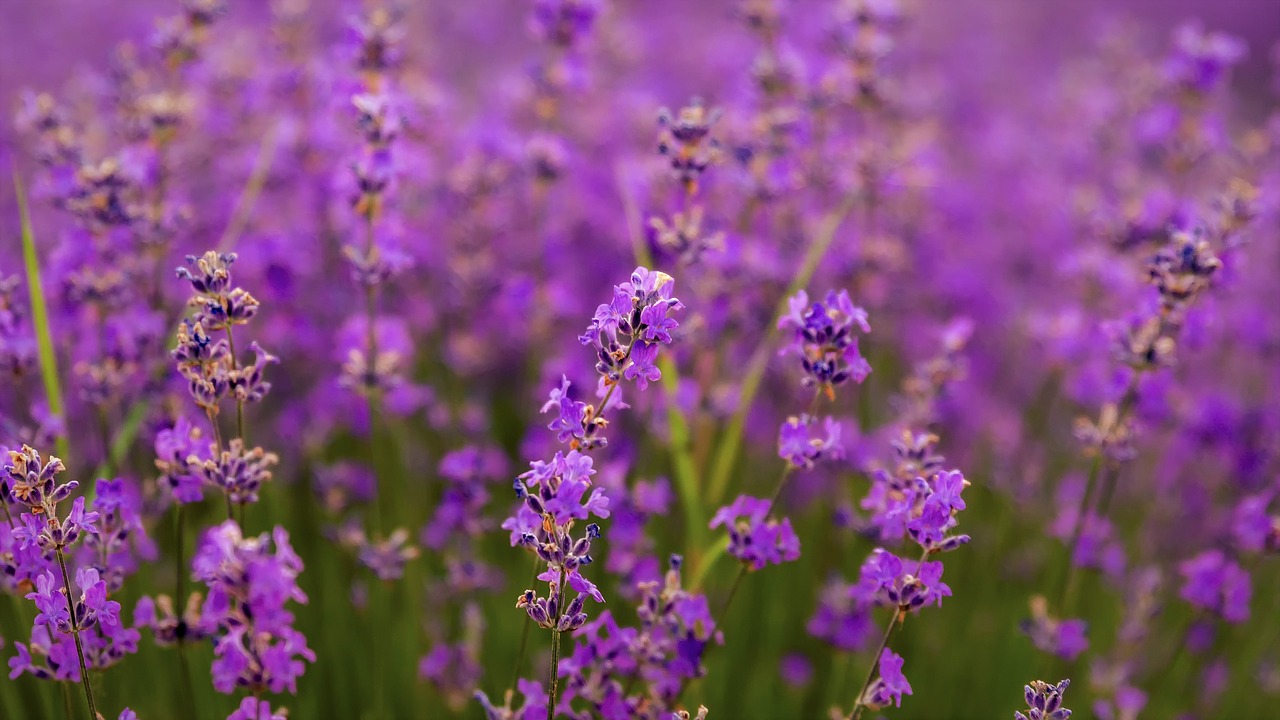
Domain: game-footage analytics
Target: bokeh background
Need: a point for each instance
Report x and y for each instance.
(1021, 163)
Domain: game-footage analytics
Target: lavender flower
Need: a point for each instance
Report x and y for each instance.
(250, 585)
(1044, 701)
(890, 686)
(823, 336)
(754, 539)
(1214, 582)
(626, 332)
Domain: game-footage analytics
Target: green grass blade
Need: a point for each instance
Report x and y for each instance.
(40, 319)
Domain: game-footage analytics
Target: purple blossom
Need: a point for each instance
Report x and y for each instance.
(797, 447)
(823, 336)
(1214, 582)
(753, 538)
(890, 686)
(1044, 701)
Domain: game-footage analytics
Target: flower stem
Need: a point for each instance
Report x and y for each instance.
(524, 636)
(553, 685)
(894, 621)
(858, 705)
(727, 452)
(75, 633)
(235, 364)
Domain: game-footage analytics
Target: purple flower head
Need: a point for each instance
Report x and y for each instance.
(890, 686)
(557, 488)
(1214, 582)
(1254, 528)
(250, 586)
(255, 709)
(800, 449)
(754, 538)
(180, 452)
(387, 558)
(627, 332)
(239, 472)
(1201, 59)
(1066, 639)
(33, 483)
(576, 422)
(887, 579)
(563, 23)
(1044, 701)
(823, 334)
(685, 140)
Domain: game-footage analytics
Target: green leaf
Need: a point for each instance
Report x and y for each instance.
(40, 318)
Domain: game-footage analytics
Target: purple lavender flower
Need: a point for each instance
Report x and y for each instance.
(753, 538)
(1044, 701)
(254, 709)
(885, 577)
(1201, 59)
(800, 449)
(239, 472)
(250, 586)
(1066, 639)
(823, 336)
(1214, 582)
(890, 686)
(626, 332)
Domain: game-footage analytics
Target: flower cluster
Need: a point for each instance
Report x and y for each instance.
(665, 650)
(823, 334)
(553, 495)
(627, 332)
(214, 373)
(801, 449)
(32, 482)
(755, 538)
(890, 685)
(250, 585)
(1214, 582)
(1044, 701)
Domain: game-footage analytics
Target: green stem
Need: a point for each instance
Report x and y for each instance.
(524, 635)
(75, 633)
(894, 621)
(858, 705)
(40, 318)
(727, 452)
(553, 684)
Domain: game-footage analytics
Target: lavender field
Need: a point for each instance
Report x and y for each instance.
(659, 359)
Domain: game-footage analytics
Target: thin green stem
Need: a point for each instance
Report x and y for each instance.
(75, 633)
(727, 453)
(40, 318)
(66, 700)
(188, 692)
(859, 705)
(894, 621)
(524, 635)
(235, 365)
(553, 684)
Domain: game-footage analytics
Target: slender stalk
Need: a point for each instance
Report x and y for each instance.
(897, 619)
(727, 452)
(4, 503)
(1067, 596)
(75, 633)
(858, 705)
(553, 684)
(66, 700)
(40, 318)
(179, 598)
(235, 365)
(524, 635)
